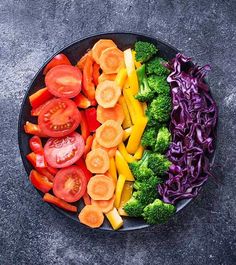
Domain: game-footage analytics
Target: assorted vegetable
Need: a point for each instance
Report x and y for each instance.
(126, 131)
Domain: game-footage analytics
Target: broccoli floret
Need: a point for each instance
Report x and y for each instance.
(144, 51)
(145, 93)
(158, 163)
(149, 184)
(160, 109)
(163, 140)
(158, 84)
(134, 207)
(158, 212)
(156, 66)
(149, 137)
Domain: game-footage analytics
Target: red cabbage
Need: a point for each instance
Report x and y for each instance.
(193, 121)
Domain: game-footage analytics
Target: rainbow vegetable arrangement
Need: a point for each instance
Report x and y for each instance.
(125, 131)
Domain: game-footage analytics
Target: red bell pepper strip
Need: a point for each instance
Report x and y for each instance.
(40, 97)
(59, 59)
(82, 102)
(96, 73)
(59, 202)
(37, 147)
(86, 199)
(91, 117)
(84, 126)
(88, 144)
(40, 182)
(34, 129)
(81, 63)
(83, 167)
(88, 86)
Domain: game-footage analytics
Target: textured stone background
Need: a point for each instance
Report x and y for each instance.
(33, 233)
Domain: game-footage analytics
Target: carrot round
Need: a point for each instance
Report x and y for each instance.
(109, 134)
(116, 113)
(105, 205)
(101, 187)
(110, 151)
(104, 77)
(107, 94)
(100, 46)
(97, 161)
(91, 216)
(111, 60)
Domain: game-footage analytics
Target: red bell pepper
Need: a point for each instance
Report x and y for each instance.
(84, 126)
(82, 166)
(40, 97)
(88, 86)
(59, 202)
(82, 102)
(86, 199)
(34, 129)
(59, 59)
(91, 117)
(88, 144)
(37, 147)
(40, 182)
(96, 73)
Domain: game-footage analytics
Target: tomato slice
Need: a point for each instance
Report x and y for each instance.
(64, 151)
(64, 81)
(59, 117)
(70, 184)
(59, 59)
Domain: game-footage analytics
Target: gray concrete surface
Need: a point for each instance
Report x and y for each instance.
(33, 233)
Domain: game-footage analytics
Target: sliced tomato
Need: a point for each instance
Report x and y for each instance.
(64, 151)
(39, 181)
(59, 202)
(59, 59)
(59, 117)
(64, 81)
(70, 184)
(36, 111)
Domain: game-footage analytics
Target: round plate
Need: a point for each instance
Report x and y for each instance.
(74, 52)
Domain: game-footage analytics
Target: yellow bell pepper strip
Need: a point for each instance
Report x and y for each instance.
(119, 188)
(128, 157)
(129, 105)
(114, 218)
(125, 196)
(135, 137)
(123, 167)
(127, 133)
(112, 169)
(139, 153)
(127, 120)
(144, 105)
(126, 85)
(132, 75)
(121, 77)
(137, 64)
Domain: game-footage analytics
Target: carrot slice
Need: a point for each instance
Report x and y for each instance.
(97, 161)
(109, 134)
(91, 216)
(107, 94)
(81, 62)
(111, 60)
(104, 77)
(116, 113)
(111, 151)
(101, 187)
(100, 46)
(105, 205)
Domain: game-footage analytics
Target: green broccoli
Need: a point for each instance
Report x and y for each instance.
(158, 163)
(163, 140)
(134, 207)
(144, 51)
(149, 184)
(158, 212)
(156, 66)
(145, 93)
(158, 84)
(149, 137)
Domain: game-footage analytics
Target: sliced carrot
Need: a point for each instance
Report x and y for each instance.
(111, 60)
(109, 134)
(116, 113)
(91, 216)
(105, 205)
(97, 161)
(111, 151)
(110, 176)
(104, 77)
(107, 94)
(82, 60)
(101, 187)
(100, 46)
(88, 145)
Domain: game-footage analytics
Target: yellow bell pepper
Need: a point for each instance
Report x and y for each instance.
(127, 133)
(112, 169)
(133, 81)
(128, 157)
(122, 167)
(139, 153)
(114, 218)
(125, 196)
(127, 120)
(126, 85)
(129, 105)
(121, 77)
(119, 188)
(137, 64)
(137, 132)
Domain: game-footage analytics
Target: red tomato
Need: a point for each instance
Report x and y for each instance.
(59, 117)
(64, 81)
(70, 184)
(64, 151)
(59, 59)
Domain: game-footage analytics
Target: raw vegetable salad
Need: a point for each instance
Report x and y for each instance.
(127, 132)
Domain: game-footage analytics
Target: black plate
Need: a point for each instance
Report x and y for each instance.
(74, 52)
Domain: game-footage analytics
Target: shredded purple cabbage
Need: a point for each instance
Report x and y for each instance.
(193, 121)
